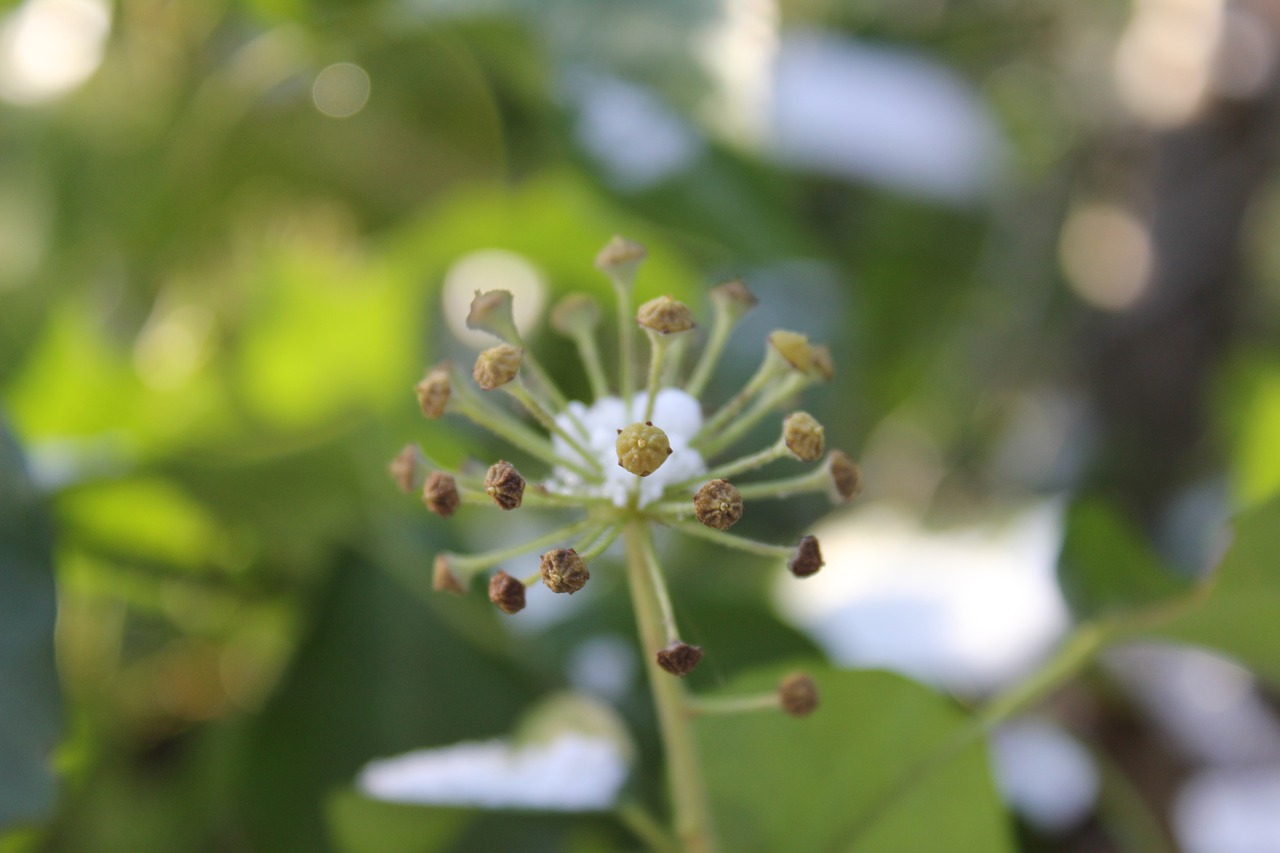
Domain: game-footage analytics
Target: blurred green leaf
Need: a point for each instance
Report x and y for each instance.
(1106, 569)
(816, 784)
(361, 825)
(30, 699)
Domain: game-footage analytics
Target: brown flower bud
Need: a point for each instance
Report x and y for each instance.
(443, 578)
(642, 448)
(506, 592)
(497, 366)
(564, 571)
(433, 391)
(491, 312)
(845, 475)
(665, 315)
(504, 484)
(620, 257)
(823, 365)
(804, 436)
(440, 494)
(718, 504)
(807, 559)
(575, 312)
(798, 694)
(679, 658)
(733, 297)
(404, 468)
(794, 347)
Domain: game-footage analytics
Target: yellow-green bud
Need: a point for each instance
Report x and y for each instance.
(679, 658)
(804, 436)
(440, 494)
(794, 347)
(642, 448)
(823, 365)
(798, 695)
(733, 298)
(433, 391)
(443, 578)
(564, 571)
(504, 484)
(575, 313)
(665, 315)
(620, 257)
(497, 366)
(845, 476)
(718, 504)
(506, 592)
(491, 312)
(807, 559)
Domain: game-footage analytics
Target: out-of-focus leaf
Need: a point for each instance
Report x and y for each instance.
(1242, 608)
(30, 699)
(361, 825)
(1106, 569)
(1256, 463)
(818, 783)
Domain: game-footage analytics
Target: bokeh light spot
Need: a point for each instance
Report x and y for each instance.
(341, 90)
(1106, 255)
(492, 269)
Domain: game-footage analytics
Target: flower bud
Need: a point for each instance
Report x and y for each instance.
(574, 313)
(733, 298)
(794, 347)
(804, 436)
(497, 366)
(845, 476)
(504, 484)
(506, 592)
(564, 571)
(433, 391)
(679, 658)
(798, 695)
(665, 315)
(443, 578)
(404, 468)
(620, 257)
(491, 312)
(440, 494)
(718, 504)
(823, 365)
(642, 448)
(807, 559)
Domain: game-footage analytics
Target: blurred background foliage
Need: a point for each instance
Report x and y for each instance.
(232, 234)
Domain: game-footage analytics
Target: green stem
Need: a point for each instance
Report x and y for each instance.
(817, 480)
(689, 802)
(729, 540)
(720, 329)
(517, 389)
(465, 565)
(590, 354)
(736, 704)
(658, 344)
(626, 341)
(520, 435)
(725, 438)
(645, 826)
(769, 368)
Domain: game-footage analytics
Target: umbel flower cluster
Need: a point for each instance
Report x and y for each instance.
(644, 455)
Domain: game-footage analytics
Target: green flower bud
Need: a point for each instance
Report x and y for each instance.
(733, 298)
(642, 448)
(665, 315)
(620, 257)
(804, 436)
(492, 312)
(497, 366)
(718, 504)
(576, 312)
(794, 347)
(564, 571)
(433, 391)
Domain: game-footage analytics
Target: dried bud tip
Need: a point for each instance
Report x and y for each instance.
(665, 315)
(440, 494)
(823, 365)
(794, 347)
(491, 312)
(504, 484)
(506, 592)
(433, 391)
(807, 559)
(497, 366)
(679, 658)
(733, 297)
(404, 468)
(642, 448)
(845, 475)
(718, 504)
(798, 694)
(442, 577)
(620, 257)
(576, 312)
(564, 571)
(804, 436)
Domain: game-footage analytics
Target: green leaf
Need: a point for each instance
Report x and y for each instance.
(824, 782)
(1106, 569)
(361, 825)
(1242, 608)
(30, 699)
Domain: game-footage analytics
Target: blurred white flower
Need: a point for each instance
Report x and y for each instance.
(1230, 811)
(1044, 774)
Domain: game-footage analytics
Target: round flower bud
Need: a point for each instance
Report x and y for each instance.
(497, 366)
(404, 468)
(620, 257)
(575, 312)
(798, 694)
(642, 448)
(794, 347)
(506, 592)
(491, 312)
(440, 494)
(504, 484)
(679, 658)
(823, 365)
(804, 436)
(733, 297)
(443, 578)
(564, 571)
(807, 558)
(433, 391)
(718, 504)
(845, 476)
(665, 315)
